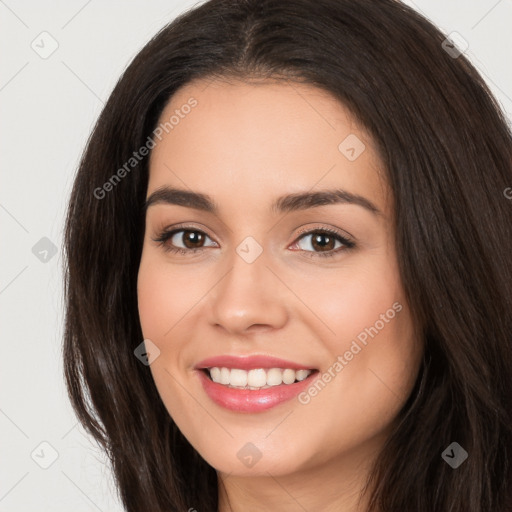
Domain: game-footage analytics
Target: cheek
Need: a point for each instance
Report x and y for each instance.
(354, 300)
(163, 300)
(371, 327)
(154, 302)
(163, 297)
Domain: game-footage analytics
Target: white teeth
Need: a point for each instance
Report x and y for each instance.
(274, 377)
(288, 376)
(300, 374)
(215, 374)
(238, 378)
(258, 378)
(224, 376)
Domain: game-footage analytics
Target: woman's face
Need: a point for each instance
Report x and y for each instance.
(251, 282)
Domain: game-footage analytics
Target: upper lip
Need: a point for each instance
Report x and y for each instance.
(249, 363)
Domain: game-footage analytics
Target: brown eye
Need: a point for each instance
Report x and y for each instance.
(183, 240)
(323, 242)
(192, 239)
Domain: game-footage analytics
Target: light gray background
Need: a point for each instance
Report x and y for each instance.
(48, 108)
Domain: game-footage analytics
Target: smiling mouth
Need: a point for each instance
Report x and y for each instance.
(255, 379)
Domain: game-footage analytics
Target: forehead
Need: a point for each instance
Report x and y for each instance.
(262, 137)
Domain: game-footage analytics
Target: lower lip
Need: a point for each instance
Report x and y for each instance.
(252, 400)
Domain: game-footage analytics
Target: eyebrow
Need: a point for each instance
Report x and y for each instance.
(283, 204)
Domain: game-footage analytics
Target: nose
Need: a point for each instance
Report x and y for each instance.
(249, 298)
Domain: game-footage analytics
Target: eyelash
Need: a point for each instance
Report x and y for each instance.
(165, 235)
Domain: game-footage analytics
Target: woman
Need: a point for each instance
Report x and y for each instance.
(288, 279)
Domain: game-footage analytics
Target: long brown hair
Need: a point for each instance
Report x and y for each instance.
(447, 151)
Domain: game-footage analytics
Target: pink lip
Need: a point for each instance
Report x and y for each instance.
(249, 363)
(251, 400)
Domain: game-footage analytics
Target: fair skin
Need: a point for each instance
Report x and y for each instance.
(244, 145)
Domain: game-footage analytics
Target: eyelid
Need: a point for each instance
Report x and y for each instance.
(184, 227)
(345, 238)
(301, 231)
(336, 231)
